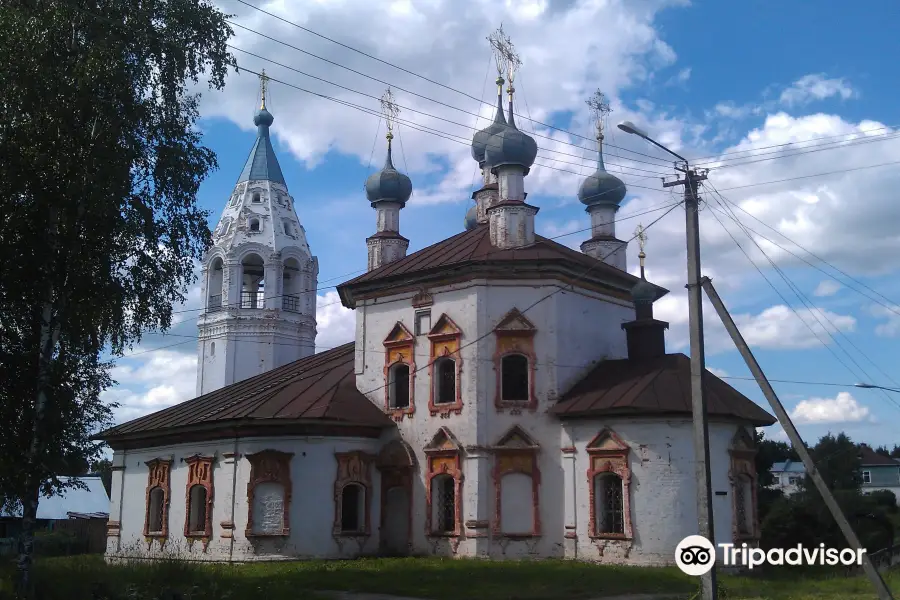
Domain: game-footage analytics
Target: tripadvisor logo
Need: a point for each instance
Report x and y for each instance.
(695, 555)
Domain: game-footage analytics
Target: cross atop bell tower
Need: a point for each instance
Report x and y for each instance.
(259, 276)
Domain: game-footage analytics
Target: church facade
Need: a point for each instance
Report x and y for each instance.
(505, 396)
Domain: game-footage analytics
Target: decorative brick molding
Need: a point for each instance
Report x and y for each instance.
(445, 339)
(113, 528)
(607, 453)
(353, 468)
(444, 455)
(399, 348)
(743, 465)
(270, 466)
(158, 477)
(516, 452)
(396, 463)
(200, 469)
(515, 335)
(422, 299)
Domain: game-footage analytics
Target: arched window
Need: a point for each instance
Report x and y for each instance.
(254, 224)
(197, 509)
(353, 502)
(214, 285)
(291, 286)
(212, 349)
(287, 227)
(444, 381)
(155, 511)
(253, 282)
(443, 504)
(256, 198)
(609, 504)
(399, 385)
(514, 378)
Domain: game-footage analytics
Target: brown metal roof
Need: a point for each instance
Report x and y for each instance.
(463, 251)
(317, 390)
(659, 385)
(870, 458)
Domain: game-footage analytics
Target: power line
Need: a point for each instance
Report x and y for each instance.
(808, 305)
(839, 171)
(367, 76)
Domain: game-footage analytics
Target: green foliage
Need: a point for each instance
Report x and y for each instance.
(886, 499)
(769, 452)
(838, 462)
(98, 183)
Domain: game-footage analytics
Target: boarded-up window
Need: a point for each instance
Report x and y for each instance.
(516, 504)
(268, 508)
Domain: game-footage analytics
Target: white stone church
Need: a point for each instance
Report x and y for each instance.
(505, 396)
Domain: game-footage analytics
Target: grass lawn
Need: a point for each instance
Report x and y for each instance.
(88, 578)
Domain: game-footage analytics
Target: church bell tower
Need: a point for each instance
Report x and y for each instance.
(259, 277)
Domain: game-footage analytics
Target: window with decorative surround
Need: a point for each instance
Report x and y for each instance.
(399, 372)
(609, 483)
(514, 363)
(352, 494)
(445, 368)
(517, 480)
(269, 494)
(156, 521)
(743, 486)
(443, 485)
(199, 497)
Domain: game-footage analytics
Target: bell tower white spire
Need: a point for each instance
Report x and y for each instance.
(259, 277)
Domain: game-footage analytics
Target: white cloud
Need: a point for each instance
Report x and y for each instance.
(827, 287)
(151, 382)
(816, 87)
(843, 408)
(336, 325)
(891, 326)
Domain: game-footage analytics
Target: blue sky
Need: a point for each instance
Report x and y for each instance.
(709, 79)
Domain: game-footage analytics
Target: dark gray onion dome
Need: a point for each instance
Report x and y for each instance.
(480, 139)
(601, 187)
(510, 147)
(471, 219)
(643, 292)
(263, 117)
(388, 184)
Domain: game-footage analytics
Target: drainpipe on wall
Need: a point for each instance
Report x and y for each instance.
(234, 468)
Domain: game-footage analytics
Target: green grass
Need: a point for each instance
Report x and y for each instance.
(89, 578)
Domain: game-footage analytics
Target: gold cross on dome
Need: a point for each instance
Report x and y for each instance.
(641, 236)
(263, 86)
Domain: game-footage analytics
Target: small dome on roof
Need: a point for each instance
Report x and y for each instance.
(263, 117)
(643, 292)
(510, 147)
(471, 219)
(480, 139)
(601, 187)
(388, 184)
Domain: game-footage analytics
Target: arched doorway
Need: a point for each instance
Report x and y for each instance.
(396, 462)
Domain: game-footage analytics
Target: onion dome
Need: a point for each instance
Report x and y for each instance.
(480, 139)
(601, 187)
(388, 184)
(471, 219)
(643, 292)
(510, 146)
(263, 118)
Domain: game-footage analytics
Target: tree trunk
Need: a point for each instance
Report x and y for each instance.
(49, 337)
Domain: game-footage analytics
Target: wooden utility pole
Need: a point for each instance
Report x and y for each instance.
(871, 572)
(708, 584)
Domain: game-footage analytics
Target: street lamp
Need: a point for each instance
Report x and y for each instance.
(871, 386)
(691, 179)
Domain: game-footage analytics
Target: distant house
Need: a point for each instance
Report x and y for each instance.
(879, 472)
(788, 476)
(74, 503)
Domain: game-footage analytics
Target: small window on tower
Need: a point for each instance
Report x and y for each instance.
(423, 322)
(256, 198)
(254, 224)
(287, 227)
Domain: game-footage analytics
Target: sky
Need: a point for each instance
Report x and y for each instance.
(789, 105)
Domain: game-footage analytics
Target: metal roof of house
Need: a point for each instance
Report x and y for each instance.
(870, 458)
(73, 502)
(656, 386)
(788, 466)
(467, 252)
(310, 394)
